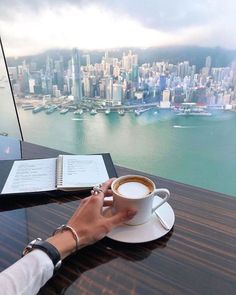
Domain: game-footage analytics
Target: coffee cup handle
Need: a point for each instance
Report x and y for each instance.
(161, 191)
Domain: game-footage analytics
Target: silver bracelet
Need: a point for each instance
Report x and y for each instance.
(69, 228)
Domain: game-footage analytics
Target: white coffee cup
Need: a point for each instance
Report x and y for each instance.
(137, 192)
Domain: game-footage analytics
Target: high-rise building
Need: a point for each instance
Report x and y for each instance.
(208, 62)
(59, 73)
(109, 88)
(31, 85)
(134, 73)
(76, 76)
(87, 59)
(129, 60)
(13, 73)
(49, 75)
(117, 94)
(162, 82)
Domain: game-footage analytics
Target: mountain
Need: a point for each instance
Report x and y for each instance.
(196, 55)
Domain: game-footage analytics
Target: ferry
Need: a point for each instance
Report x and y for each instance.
(38, 109)
(78, 112)
(51, 109)
(121, 112)
(93, 112)
(107, 111)
(27, 106)
(138, 112)
(64, 111)
(72, 108)
(191, 109)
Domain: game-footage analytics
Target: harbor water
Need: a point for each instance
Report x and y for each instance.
(195, 150)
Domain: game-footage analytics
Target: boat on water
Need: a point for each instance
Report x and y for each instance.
(72, 108)
(191, 109)
(107, 111)
(93, 112)
(121, 112)
(38, 109)
(27, 108)
(51, 109)
(78, 112)
(64, 111)
(3, 134)
(138, 112)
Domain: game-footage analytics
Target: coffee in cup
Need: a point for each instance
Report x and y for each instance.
(137, 192)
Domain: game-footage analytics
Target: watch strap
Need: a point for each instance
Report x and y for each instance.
(46, 247)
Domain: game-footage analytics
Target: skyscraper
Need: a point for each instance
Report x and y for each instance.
(76, 76)
(208, 62)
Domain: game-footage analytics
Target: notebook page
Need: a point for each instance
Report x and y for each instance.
(31, 176)
(83, 171)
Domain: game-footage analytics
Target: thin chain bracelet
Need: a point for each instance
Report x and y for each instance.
(69, 228)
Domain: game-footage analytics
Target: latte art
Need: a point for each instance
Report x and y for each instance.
(133, 190)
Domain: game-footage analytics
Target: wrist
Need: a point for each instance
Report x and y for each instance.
(64, 242)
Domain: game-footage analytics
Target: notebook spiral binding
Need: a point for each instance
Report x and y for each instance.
(59, 171)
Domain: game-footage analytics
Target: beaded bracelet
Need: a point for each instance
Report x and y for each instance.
(69, 228)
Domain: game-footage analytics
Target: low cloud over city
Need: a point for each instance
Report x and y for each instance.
(31, 27)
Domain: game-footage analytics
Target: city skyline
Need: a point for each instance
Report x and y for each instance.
(122, 81)
(105, 24)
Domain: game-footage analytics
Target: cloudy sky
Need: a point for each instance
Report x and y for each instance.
(29, 27)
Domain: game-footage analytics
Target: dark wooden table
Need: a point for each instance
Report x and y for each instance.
(198, 256)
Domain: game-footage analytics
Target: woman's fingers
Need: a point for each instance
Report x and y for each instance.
(107, 203)
(121, 217)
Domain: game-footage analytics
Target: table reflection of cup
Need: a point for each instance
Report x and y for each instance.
(136, 192)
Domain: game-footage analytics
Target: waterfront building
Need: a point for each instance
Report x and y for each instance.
(117, 94)
(227, 98)
(54, 90)
(109, 88)
(166, 95)
(89, 83)
(86, 82)
(31, 85)
(76, 76)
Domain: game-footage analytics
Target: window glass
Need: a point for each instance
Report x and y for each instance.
(153, 84)
(8, 119)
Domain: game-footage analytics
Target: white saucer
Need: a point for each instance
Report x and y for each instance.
(146, 232)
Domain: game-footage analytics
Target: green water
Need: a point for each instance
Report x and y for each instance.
(194, 150)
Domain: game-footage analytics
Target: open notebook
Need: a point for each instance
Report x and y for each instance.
(66, 172)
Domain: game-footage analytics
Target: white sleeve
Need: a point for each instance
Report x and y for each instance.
(27, 275)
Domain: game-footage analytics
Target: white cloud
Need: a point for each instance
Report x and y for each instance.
(30, 31)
